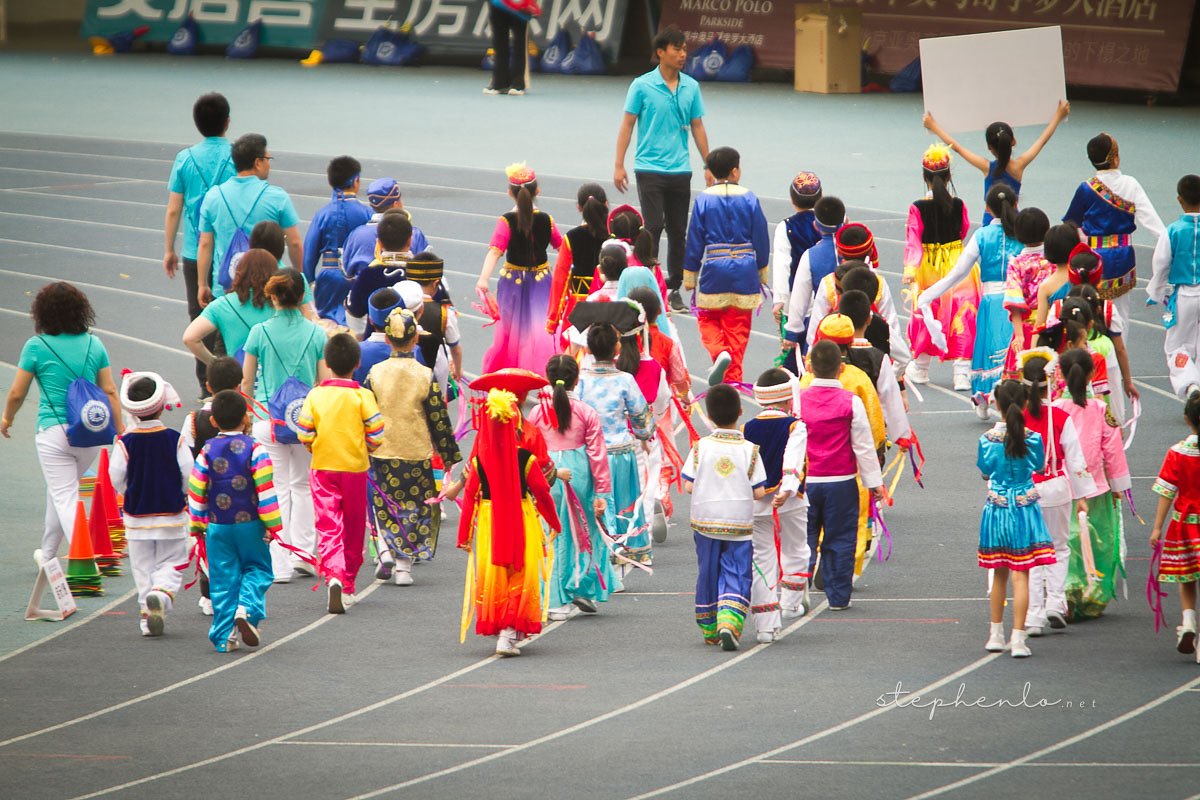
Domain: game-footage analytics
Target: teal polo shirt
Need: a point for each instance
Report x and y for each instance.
(232, 204)
(196, 170)
(56, 361)
(664, 120)
(287, 344)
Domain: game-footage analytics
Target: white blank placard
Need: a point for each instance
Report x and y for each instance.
(1011, 76)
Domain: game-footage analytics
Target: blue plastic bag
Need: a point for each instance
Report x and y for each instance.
(246, 43)
(705, 64)
(556, 52)
(738, 65)
(185, 39)
(586, 59)
(390, 48)
(908, 79)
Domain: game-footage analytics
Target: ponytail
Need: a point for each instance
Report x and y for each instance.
(1001, 201)
(563, 372)
(593, 203)
(1011, 397)
(1077, 367)
(643, 249)
(524, 196)
(613, 261)
(999, 137)
(630, 358)
(941, 193)
(1033, 375)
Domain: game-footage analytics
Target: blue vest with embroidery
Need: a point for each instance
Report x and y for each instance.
(153, 482)
(1184, 236)
(995, 249)
(822, 259)
(771, 436)
(801, 235)
(232, 496)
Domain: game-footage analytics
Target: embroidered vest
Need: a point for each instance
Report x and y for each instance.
(153, 482)
(771, 436)
(232, 495)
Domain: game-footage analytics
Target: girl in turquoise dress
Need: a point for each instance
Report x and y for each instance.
(1013, 537)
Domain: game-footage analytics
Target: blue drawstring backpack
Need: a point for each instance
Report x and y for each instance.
(340, 51)
(586, 59)
(389, 48)
(246, 43)
(287, 401)
(556, 52)
(737, 65)
(186, 37)
(239, 243)
(89, 416)
(707, 61)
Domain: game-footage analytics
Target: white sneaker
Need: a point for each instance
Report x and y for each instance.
(729, 642)
(1057, 619)
(516, 92)
(1185, 638)
(232, 643)
(995, 642)
(335, 603)
(156, 610)
(144, 624)
(248, 632)
(1191, 388)
(506, 643)
(38, 557)
(793, 613)
(490, 91)
(402, 573)
(916, 373)
(205, 604)
(962, 376)
(1034, 630)
(283, 579)
(585, 604)
(383, 570)
(559, 614)
(716, 375)
(305, 569)
(1018, 645)
(765, 637)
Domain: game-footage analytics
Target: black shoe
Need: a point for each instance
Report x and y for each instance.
(675, 301)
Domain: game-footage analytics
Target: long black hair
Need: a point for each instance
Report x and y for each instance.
(524, 195)
(563, 373)
(999, 138)
(1001, 200)
(1011, 397)
(630, 358)
(628, 226)
(939, 186)
(1077, 367)
(593, 203)
(1033, 375)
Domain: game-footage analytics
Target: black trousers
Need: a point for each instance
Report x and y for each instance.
(508, 66)
(665, 198)
(191, 280)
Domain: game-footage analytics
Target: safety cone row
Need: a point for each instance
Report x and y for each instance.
(107, 560)
(87, 485)
(112, 507)
(82, 574)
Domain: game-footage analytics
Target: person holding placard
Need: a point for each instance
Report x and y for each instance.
(1000, 138)
(937, 225)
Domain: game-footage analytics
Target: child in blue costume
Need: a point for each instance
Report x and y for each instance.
(793, 237)
(231, 499)
(1005, 167)
(327, 232)
(815, 263)
(1176, 284)
(375, 347)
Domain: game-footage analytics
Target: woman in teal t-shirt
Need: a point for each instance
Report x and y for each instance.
(233, 314)
(62, 351)
(283, 346)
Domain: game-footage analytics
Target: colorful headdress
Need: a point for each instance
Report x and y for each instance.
(496, 454)
(425, 267)
(1090, 276)
(383, 193)
(624, 208)
(856, 252)
(380, 304)
(401, 325)
(1025, 356)
(936, 158)
(806, 185)
(779, 393)
(519, 174)
(513, 379)
(163, 398)
(837, 328)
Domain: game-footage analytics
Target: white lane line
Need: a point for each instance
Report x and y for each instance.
(233, 662)
(318, 726)
(97, 286)
(84, 250)
(69, 626)
(822, 734)
(114, 335)
(447, 745)
(617, 712)
(983, 764)
(1045, 751)
(1156, 390)
(78, 221)
(78, 175)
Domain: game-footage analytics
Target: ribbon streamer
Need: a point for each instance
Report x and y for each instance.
(1154, 590)
(1131, 426)
(487, 306)
(1085, 549)
(1132, 507)
(877, 519)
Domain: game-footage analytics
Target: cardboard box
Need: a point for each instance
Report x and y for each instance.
(828, 49)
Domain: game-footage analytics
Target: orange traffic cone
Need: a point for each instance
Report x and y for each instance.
(112, 508)
(82, 575)
(106, 559)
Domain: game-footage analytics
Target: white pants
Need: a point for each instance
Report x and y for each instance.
(1046, 583)
(62, 467)
(1182, 342)
(153, 562)
(767, 590)
(291, 463)
(650, 474)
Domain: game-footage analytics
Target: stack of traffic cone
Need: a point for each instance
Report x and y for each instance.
(87, 485)
(112, 506)
(82, 575)
(106, 558)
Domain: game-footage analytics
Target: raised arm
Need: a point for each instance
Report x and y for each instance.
(1019, 163)
(978, 162)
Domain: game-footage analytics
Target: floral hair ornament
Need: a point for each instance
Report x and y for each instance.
(519, 174)
(936, 158)
(501, 405)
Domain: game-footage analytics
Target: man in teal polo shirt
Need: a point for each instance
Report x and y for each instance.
(244, 200)
(665, 104)
(196, 170)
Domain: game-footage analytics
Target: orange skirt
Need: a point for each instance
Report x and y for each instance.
(504, 597)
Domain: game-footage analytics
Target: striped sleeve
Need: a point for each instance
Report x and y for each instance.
(306, 424)
(198, 494)
(372, 420)
(264, 483)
